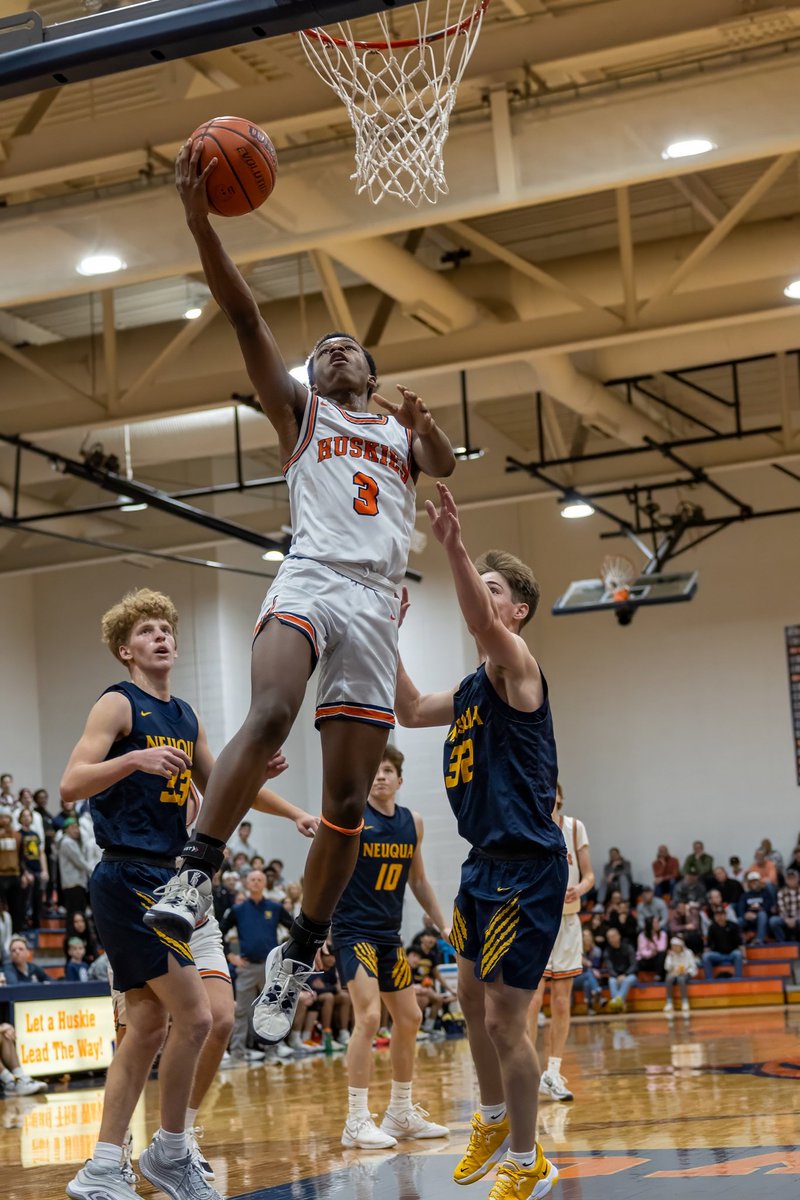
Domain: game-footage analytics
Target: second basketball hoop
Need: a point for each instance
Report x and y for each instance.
(399, 94)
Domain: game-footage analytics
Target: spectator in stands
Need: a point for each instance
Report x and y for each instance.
(276, 865)
(11, 870)
(34, 869)
(274, 890)
(589, 979)
(226, 892)
(6, 930)
(330, 1006)
(735, 869)
(754, 907)
(773, 855)
(651, 948)
(619, 961)
(794, 861)
(40, 798)
(257, 863)
(429, 987)
(765, 869)
(25, 804)
(714, 902)
(698, 862)
(293, 898)
(22, 968)
(73, 868)
(78, 926)
(98, 970)
(684, 921)
(240, 842)
(599, 927)
(7, 798)
(13, 1080)
(66, 811)
(666, 872)
(690, 890)
(681, 966)
(241, 864)
(616, 876)
(623, 919)
(651, 905)
(785, 925)
(724, 946)
(76, 970)
(730, 889)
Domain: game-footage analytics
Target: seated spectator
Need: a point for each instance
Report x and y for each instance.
(713, 903)
(11, 871)
(428, 946)
(257, 863)
(227, 891)
(34, 869)
(5, 930)
(427, 927)
(690, 890)
(619, 961)
(735, 869)
(276, 865)
(651, 948)
(651, 905)
(729, 888)
(754, 907)
(274, 889)
(795, 859)
(78, 926)
(241, 864)
(589, 979)
(666, 872)
(599, 927)
(616, 876)
(240, 842)
(76, 970)
(684, 921)
(66, 811)
(773, 855)
(22, 968)
(430, 989)
(623, 919)
(765, 869)
(99, 969)
(73, 868)
(698, 862)
(13, 1080)
(724, 946)
(680, 966)
(330, 1005)
(785, 925)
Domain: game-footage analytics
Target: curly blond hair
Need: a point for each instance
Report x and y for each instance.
(137, 605)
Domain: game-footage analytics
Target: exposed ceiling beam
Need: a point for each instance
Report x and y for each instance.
(37, 110)
(386, 304)
(333, 292)
(35, 368)
(173, 350)
(626, 259)
(110, 350)
(701, 196)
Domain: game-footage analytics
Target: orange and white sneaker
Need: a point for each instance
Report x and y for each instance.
(487, 1145)
(514, 1182)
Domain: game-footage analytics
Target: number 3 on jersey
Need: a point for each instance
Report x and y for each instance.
(366, 502)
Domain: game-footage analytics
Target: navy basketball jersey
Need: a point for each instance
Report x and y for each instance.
(147, 812)
(500, 771)
(372, 903)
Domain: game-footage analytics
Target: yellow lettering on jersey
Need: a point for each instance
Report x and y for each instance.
(176, 789)
(464, 721)
(388, 877)
(387, 850)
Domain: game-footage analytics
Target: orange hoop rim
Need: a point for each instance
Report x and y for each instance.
(320, 35)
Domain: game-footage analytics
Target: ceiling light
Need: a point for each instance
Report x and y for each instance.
(466, 454)
(273, 556)
(792, 290)
(100, 264)
(577, 509)
(300, 374)
(192, 314)
(133, 507)
(688, 148)
(210, 563)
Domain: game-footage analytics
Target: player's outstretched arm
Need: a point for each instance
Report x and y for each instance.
(421, 886)
(430, 447)
(412, 708)
(282, 397)
(87, 772)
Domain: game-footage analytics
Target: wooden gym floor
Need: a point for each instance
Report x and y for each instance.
(710, 1100)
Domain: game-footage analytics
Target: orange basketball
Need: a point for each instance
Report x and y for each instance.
(247, 165)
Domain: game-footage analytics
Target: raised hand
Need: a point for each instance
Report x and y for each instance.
(444, 520)
(412, 413)
(191, 185)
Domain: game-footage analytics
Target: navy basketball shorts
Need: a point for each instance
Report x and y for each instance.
(387, 964)
(507, 915)
(120, 895)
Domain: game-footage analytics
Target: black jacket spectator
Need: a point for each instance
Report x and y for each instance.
(724, 939)
(620, 961)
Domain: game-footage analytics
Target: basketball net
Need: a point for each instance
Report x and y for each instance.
(618, 574)
(399, 95)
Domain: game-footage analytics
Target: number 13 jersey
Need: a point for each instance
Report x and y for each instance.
(351, 490)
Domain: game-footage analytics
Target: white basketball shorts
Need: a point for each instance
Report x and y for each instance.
(351, 628)
(565, 960)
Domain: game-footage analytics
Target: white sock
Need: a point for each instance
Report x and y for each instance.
(6, 1076)
(401, 1096)
(106, 1154)
(525, 1160)
(294, 1039)
(174, 1145)
(191, 1118)
(553, 1066)
(492, 1114)
(358, 1105)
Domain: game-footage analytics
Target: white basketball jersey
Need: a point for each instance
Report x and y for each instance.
(575, 836)
(350, 489)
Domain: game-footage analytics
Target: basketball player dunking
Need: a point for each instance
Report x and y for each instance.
(372, 963)
(500, 773)
(351, 478)
(135, 760)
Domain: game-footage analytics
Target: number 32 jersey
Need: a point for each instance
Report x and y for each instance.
(351, 490)
(142, 811)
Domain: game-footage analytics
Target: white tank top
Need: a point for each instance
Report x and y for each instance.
(351, 493)
(575, 836)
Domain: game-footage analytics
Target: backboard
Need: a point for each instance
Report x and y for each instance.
(592, 595)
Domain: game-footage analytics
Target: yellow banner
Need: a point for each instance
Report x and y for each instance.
(56, 1037)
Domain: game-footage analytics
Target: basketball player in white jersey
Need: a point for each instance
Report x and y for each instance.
(351, 476)
(565, 961)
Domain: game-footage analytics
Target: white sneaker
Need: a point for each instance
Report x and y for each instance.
(185, 900)
(274, 1010)
(180, 1178)
(541, 1020)
(24, 1086)
(284, 1051)
(555, 1087)
(100, 1183)
(128, 1173)
(686, 1007)
(205, 1166)
(361, 1133)
(254, 1056)
(668, 1007)
(412, 1123)
(344, 1037)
